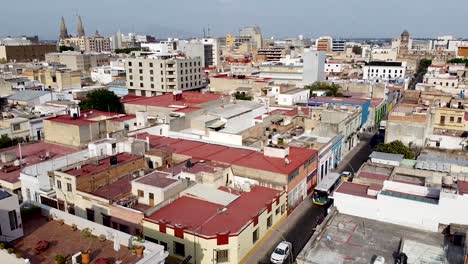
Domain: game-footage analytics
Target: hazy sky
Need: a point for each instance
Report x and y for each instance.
(278, 18)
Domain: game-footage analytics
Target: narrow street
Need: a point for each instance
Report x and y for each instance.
(299, 226)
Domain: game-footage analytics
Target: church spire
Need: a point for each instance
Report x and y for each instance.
(63, 29)
(80, 28)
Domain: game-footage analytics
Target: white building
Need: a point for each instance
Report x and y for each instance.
(293, 96)
(384, 71)
(308, 69)
(154, 75)
(421, 207)
(10, 217)
(334, 67)
(384, 54)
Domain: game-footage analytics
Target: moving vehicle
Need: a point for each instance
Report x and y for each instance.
(379, 260)
(346, 175)
(325, 188)
(281, 253)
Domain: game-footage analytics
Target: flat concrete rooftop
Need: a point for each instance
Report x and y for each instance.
(350, 239)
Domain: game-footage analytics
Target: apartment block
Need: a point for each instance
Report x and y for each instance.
(77, 61)
(25, 53)
(155, 75)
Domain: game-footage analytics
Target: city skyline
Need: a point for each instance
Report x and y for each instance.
(369, 20)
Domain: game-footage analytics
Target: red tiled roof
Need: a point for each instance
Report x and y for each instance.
(354, 189)
(165, 100)
(186, 211)
(230, 155)
(116, 189)
(463, 187)
(190, 212)
(376, 102)
(373, 176)
(92, 168)
(297, 157)
(85, 118)
(156, 179)
(31, 155)
(204, 151)
(327, 99)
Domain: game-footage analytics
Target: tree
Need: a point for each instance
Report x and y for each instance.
(6, 141)
(242, 96)
(102, 100)
(420, 71)
(357, 50)
(331, 89)
(126, 50)
(459, 60)
(396, 147)
(66, 48)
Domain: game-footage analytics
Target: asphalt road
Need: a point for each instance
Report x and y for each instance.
(299, 226)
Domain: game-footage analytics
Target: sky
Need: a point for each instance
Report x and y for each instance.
(277, 18)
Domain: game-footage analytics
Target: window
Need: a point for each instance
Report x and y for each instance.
(459, 120)
(152, 85)
(222, 256)
(140, 64)
(130, 77)
(151, 64)
(151, 71)
(141, 193)
(179, 249)
(452, 119)
(59, 184)
(131, 83)
(106, 220)
(16, 127)
(129, 63)
(141, 85)
(140, 71)
(164, 244)
(69, 187)
(277, 211)
(13, 220)
(141, 78)
(90, 214)
(269, 221)
(152, 78)
(255, 236)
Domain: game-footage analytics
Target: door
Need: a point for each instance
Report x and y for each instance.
(151, 199)
(38, 132)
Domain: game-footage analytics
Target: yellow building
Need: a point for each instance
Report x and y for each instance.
(54, 78)
(230, 40)
(80, 129)
(450, 119)
(218, 229)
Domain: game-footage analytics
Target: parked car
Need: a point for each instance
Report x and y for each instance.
(281, 253)
(379, 260)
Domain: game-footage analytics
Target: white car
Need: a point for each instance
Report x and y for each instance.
(281, 253)
(379, 260)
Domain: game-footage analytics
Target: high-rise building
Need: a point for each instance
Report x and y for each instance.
(324, 44)
(155, 75)
(338, 45)
(255, 34)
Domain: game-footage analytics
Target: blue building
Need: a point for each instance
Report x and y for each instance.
(344, 101)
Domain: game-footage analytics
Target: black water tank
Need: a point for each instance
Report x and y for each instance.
(113, 160)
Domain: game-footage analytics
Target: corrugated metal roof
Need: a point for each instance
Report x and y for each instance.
(27, 95)
(211, 194)
(386, 156)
